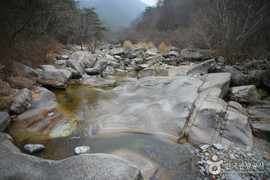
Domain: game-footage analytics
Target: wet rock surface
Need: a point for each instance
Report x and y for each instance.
(16, 165)
(33, 148)
(4, 120)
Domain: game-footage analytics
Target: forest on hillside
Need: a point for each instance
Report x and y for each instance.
(234, 29)
(31, 29)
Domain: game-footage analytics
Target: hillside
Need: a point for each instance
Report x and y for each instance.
(117, 14)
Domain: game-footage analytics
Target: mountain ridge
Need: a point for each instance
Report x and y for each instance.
(116, 14)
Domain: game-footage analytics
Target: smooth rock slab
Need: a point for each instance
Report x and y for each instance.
(33, 148)
(15, 165)
(152, 105)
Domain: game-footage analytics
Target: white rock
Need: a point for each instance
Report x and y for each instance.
(82, 150)
(218, 146)
(204, 147)
(51, 114)
(32, 148)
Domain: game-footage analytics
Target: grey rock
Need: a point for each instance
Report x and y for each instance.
(173, 54)
(77, 67)
(244, 94)
(141, 67)
(136, 108)
(108, 71)
(92, 71)
(196, 54)
(82, 150)
(204, 147)
(138, 61)
(21, 101)
(266, 77)
(232, 157)
(84, 57)
(151, 52)
(33, 148)
(114, 64)
(173, 61)
(4, 120)
(238, 107)
(94, 81)
(27, 71)
(136, 52)
(218, 146)
(202, 67)
(232, 175)
(53, 77)
(174, 49)
(65, 57)
(117, 51)
(255, 77)
(15, 165)
(221, 59)
(101, 64)
(61, 62)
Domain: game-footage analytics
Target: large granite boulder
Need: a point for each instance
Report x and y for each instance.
(42, 116)
(255, 77)
(201, 68)
(77, 68)
(152, 105)
(244, 94)
(196, 54)
(53, 77)
(21, 101)
(84, 57)
(179, 107)
(117, 51)
(4, 120)
(16, 165)
(136, 52)
(98, 68)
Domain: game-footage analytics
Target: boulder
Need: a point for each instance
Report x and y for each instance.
(84, 57)
(141, 67)
(117, 51)
(266, 77)
(237, 77)
(196, 54)
(244, 94)
(173, 61)
(173, 54)
(136, 108)
(21, 101)
(61, 62)
(151, 52)
(152, 72)
(4, 120)
(16, 165)
(221, 59)
(53, 77)
(260, 113)
(136, 52)
(77, 67)
(94, 81)
(64, 56)
(255, 77)
(92, 71)
(27, 71)
(36, 119)
(201, 68)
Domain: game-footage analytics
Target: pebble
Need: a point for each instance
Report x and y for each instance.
(82, 150)
(32, 148)
(218, 146)
(232, 157)
(51, 114)
(204, 147)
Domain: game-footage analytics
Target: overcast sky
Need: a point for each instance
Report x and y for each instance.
(149, 2)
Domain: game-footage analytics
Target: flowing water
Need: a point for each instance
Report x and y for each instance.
(81, 104)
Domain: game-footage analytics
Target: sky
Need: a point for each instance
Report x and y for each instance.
(149, 2)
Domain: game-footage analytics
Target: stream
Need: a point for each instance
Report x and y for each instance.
(81, 104)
